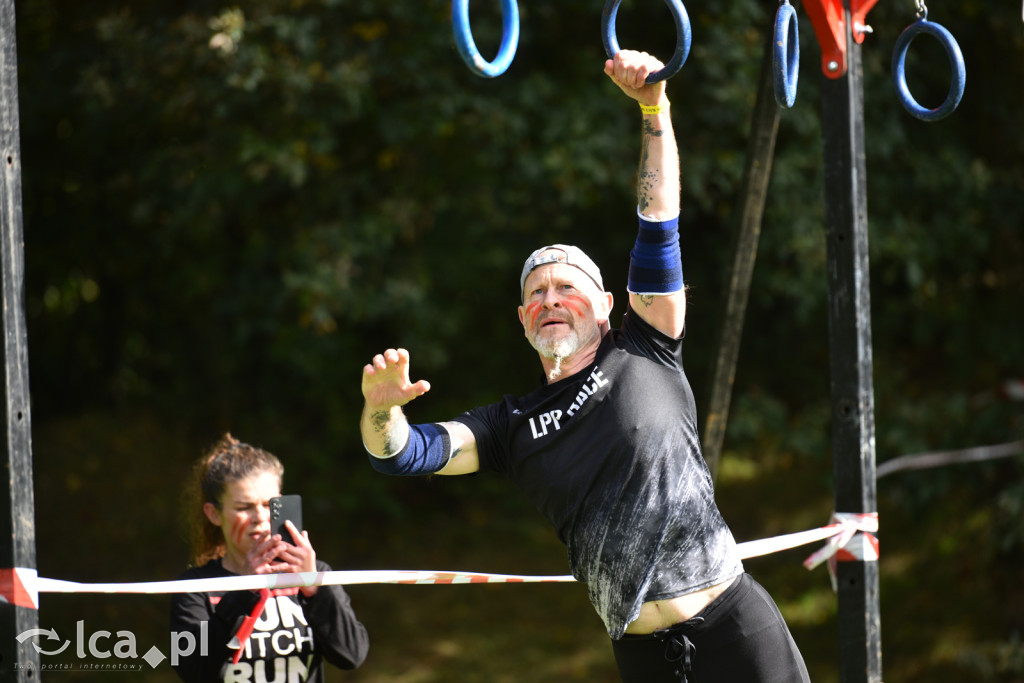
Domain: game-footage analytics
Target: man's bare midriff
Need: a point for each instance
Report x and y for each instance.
(659, 614)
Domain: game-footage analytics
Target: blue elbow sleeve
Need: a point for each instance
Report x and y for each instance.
(655, 265)
(428, 450)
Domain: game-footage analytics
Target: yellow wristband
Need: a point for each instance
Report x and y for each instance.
(655, 109)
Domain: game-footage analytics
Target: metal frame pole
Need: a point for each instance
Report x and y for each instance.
(853, 423)
(20, 661)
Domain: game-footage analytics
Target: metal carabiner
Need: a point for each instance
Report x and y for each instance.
(467, 48)
(684, 37)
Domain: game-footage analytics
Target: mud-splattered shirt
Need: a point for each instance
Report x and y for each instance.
(611, 457)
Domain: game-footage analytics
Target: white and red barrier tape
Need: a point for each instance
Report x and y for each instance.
(22, 586)
(850, 538)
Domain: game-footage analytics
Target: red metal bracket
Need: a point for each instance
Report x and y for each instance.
(827, 17)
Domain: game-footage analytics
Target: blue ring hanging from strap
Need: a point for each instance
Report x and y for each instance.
(786, 55)
(956, 64)
(684, 36)
(467, 48)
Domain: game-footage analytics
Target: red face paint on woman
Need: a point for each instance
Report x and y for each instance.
(244, 514)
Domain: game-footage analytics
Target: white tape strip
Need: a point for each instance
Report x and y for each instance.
(22, 586)
(849, 525)
(257, 581)
(766, 546)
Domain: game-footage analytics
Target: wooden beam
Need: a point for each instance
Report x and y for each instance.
(852, 388)
(764, 130)
(17, 543)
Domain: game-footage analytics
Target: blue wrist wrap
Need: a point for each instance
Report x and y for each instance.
(655, 265)
(428, 450)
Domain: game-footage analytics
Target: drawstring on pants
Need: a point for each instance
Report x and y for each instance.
(679, 649)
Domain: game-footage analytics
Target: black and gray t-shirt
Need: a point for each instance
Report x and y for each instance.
(611, 457)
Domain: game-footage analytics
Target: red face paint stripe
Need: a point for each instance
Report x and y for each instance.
(238, 530)
(532, 310)
(577, 300)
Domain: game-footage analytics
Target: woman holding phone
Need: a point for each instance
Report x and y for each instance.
(280, 634)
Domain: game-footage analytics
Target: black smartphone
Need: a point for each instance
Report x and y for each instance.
(283, 508)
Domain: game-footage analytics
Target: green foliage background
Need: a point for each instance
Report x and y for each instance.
(229, 208)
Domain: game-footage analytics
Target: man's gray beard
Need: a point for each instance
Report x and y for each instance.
(556, 350)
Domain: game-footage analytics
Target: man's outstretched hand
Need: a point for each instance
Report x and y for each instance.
(386, 380)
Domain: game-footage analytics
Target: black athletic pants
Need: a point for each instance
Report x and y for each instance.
(739, 638)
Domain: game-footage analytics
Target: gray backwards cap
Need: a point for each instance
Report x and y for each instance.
(570, 255)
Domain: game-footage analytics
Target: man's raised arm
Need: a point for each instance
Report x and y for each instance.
(656, 290)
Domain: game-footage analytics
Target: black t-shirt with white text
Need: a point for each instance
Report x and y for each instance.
(611, 457)
(290, 641)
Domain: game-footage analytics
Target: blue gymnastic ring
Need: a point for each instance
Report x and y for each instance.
(467, 48)
(684, 36)
(786, 55)
(956, 64)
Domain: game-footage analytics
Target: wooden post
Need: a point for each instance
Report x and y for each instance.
(17, 544)
(764, 129)
(853, 422)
